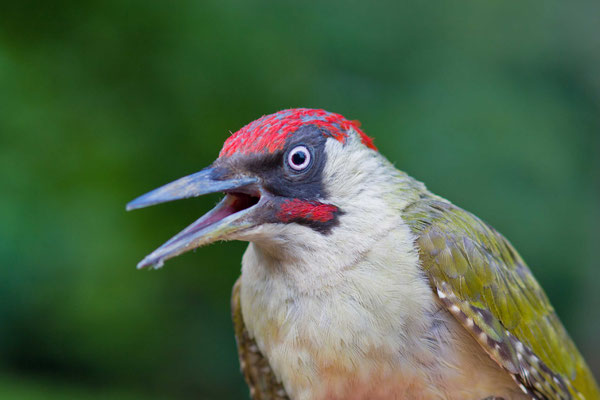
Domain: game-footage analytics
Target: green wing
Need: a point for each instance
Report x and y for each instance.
(255, 367)
(486, 285)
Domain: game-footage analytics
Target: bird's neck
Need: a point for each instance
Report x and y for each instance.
(317, 325)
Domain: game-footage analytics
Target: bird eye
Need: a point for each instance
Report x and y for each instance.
(299, 158)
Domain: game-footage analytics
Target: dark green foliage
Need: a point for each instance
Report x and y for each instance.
(493, 104)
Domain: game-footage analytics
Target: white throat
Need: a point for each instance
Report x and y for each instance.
(325, 324)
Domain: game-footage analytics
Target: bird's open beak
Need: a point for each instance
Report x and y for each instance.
(228, 217)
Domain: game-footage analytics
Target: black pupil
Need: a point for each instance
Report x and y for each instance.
(298, 158)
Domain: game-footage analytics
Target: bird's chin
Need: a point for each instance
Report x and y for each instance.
(229, 219)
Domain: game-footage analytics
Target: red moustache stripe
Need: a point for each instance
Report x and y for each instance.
(308, 210)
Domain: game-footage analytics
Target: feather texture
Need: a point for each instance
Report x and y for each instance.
(486, 285)
(255, 367)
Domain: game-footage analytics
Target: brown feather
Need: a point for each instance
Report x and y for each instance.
(256, 369)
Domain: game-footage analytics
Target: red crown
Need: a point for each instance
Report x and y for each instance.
(269, 133)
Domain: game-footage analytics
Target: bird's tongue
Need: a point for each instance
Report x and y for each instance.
(230, 205)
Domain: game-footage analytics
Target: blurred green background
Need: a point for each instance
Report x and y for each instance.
(495, 105)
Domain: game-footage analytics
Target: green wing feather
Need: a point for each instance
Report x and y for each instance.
(256, 369)
(496, 297)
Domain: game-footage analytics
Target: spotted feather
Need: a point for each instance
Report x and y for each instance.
(486, 286)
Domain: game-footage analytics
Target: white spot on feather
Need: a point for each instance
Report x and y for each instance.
(520, 347)
(523, 388)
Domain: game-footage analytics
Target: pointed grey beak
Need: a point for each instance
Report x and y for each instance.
(193, 185)
(227, 218)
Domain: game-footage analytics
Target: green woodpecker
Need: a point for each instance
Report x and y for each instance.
(359, 283)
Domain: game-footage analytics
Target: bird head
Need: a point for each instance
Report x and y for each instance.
(292, 180)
